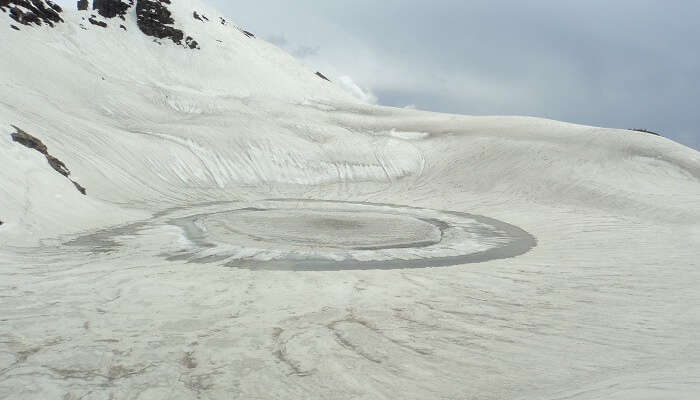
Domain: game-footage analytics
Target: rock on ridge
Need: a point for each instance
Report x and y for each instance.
(28, 12)
(111, 8)
(154, 19)
(32, 142)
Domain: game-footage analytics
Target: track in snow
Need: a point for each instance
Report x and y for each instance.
(314, 235)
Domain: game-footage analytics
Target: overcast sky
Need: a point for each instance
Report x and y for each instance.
(615, 63)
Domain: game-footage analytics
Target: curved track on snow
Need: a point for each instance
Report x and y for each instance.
(314, 235)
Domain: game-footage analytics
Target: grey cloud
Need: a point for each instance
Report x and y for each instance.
(306, 51)
(277, 40)
(298, 51)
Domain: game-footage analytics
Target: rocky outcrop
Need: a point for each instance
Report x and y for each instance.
(112, 8)
(154, 19)
(96, 22)
(31, 142)
(32, 12)
(152, 16)
(320, 75)
(191, 43)
(201, 17)
(646, 131)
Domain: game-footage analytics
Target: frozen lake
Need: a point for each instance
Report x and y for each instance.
(308, 235)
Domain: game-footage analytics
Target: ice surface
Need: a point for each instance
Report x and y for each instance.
(111, 295)
(304, 235)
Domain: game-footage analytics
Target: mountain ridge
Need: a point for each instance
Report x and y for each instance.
(154, 18)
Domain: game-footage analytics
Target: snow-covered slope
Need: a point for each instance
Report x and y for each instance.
(161, 113)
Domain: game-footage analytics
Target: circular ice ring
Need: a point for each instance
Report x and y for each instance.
(314, 235)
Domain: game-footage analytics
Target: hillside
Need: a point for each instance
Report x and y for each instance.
(247, 229)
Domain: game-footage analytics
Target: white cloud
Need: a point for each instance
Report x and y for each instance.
(351, 87)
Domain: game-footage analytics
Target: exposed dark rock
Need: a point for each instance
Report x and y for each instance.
(112, 8)
(646, 131)
(202, 17)
(31, 142)
(96, 22)
(54, 6)
(1, 222)
(320, 75)
(223, 21)
(191, 43)
(122, 26)
(82, 5)
(154, 19)
(58, 165)
(80, 188)
(14, 27)
(37, 12)
(250, 35)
